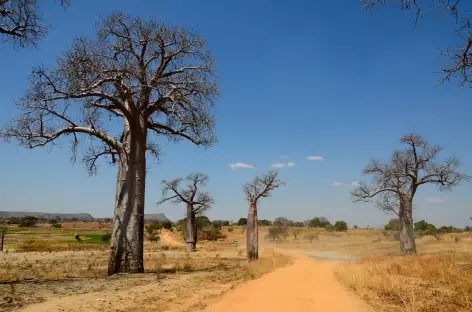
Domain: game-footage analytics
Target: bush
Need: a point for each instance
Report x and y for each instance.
(56, 226)
(319, 222)
(329, 227)
(422, 225)
(28, 221)
(166, 224)
(340, 226)
(211, 233)
(154, 237)
(242, 221)
(355, 227)
(106, 238)
(277, 232)
(392, 225)
(311, 236)
(264, 222)
(53, 221)
(230, 229)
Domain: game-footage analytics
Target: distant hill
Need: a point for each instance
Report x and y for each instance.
(69, 216)
(45, 215)
(155, 217)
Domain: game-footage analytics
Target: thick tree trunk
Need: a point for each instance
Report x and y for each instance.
(126, 250)
(252, 235)
(190, 239)
(407, 232)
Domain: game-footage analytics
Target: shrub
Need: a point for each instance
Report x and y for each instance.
(277, 232)
(392, 225)
(166, 225)
(242, 221)
(264, 222)
(340, 226)
(311, 236)
(329, 227)
(355, 227)
(154, 237)
(53, 221)
(28, 221)
(422, 225)
(296, 232)
(56, 226)
(230, 229)
(211, 233)
(106, 238)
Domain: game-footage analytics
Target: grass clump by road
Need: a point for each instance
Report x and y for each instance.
(414, 283)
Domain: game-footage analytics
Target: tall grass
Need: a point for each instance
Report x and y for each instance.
(414, 283)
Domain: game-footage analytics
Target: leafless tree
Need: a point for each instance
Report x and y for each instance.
(197, 202)
(396, 183)
(458, 63)
(137, 81)
(20, 21)
(255, 190)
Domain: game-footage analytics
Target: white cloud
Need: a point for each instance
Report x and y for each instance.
(241, 165)
(314, 158)
(278, 165)
(433, 200)
(283, 156)
(337, 184)
(290, 164)
(355, 183)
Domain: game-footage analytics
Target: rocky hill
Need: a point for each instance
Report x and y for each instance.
(46, 215)
(69, 216)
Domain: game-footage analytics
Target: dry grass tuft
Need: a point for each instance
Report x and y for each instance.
(414, 283)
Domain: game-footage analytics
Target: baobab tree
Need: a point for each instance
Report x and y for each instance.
(20, 21)
(457, 63)
(255, 190)
(196, 201)
(137, 81)
(396, 183)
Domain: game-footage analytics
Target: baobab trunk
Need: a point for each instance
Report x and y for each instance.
(407, 233)
(190, 236)
(252, 235)
(126, 250)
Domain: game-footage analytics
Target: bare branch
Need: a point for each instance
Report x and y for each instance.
(458, 64)
(20, 22)
(262, 186)
(190, 194)
(408, 169)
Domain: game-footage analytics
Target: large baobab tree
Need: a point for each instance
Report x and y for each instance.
(255, 190)
(197, 202)
(458, 63)
(20, 21)
(137, 81)
(396, 182)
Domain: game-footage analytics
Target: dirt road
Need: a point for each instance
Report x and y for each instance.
(307, 285)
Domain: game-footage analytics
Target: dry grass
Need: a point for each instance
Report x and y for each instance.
(413, 284)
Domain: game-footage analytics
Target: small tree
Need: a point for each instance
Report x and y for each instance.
(255, 190)
(197, 202)
(340, 226)
(397, 182)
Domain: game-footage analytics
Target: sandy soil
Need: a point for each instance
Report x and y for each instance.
(307, 285)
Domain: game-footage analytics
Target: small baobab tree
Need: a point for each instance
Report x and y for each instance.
(138, 80)
(396, 183)
(20, 21)
(255, 190)
(197, 202)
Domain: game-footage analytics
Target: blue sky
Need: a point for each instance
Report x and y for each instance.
(297, 79)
